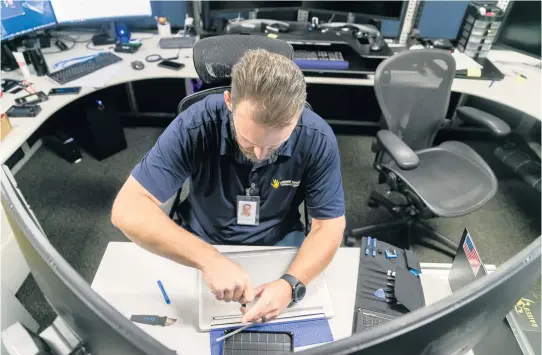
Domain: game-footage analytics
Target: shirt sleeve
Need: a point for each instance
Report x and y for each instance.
(164, 169)
(324, 192)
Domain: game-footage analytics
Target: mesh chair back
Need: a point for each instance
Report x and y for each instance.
(413, 91)
(214, 57)
(198, 96)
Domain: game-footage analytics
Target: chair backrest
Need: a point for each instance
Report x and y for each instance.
(413, 91)
(214, 57)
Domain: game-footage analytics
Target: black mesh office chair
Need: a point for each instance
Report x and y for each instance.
(214, 58)
(450, 180)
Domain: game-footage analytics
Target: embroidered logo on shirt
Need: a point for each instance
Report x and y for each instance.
(276, 184)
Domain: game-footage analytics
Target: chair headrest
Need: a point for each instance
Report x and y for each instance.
(214, 57)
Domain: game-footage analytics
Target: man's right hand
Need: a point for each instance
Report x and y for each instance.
(227, 280)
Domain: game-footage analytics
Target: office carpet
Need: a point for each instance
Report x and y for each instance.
(73, 203)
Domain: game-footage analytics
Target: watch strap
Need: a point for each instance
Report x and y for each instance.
(291, 280)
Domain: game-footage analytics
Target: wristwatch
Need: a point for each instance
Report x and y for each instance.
(298, 288)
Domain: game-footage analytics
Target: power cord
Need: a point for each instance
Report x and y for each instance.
(152, 58)
(89, 42)
(144, 38)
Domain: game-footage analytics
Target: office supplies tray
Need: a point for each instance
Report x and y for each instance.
(397, 278)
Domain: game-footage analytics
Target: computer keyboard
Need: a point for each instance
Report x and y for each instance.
(366, 319)
(78, 70)
(320, 60)
(176, 42)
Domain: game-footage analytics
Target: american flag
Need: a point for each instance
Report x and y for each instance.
(472, 255)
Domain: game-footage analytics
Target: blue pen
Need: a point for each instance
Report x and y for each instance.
(166, 298)
(367, 246)
(374, 246)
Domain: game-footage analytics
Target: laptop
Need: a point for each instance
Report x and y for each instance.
(263, 266)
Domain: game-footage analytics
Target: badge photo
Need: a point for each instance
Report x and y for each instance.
(248, 210)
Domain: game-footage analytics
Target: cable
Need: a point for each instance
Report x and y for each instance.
(153, 58)
(144, 38)
(63, 63)
(95, 49)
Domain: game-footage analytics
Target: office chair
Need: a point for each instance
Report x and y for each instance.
(450, 180)
(214, 58)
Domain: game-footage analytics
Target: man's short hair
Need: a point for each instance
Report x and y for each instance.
(272, 83)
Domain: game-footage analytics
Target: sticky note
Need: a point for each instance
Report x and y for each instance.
(476, 72)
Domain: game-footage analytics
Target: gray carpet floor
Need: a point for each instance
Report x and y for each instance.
(73, 203)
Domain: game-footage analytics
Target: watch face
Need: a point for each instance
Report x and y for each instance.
(300, 292)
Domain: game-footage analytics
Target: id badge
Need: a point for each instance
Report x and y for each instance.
(248, 210)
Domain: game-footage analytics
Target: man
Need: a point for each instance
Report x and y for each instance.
(257, 145)
(246, 210)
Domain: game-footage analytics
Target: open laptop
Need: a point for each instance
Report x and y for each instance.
(263, 266)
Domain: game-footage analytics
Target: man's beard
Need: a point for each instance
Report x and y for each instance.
(249, 154)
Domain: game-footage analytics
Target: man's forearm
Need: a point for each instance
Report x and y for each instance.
(143, 222)
(316, 253)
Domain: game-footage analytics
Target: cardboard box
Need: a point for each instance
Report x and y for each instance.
(5, 126)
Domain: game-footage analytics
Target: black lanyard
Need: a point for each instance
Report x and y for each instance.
(254, 179)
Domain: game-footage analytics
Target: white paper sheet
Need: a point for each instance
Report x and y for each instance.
(463, 61)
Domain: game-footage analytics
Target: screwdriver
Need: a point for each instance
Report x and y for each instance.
(234, 332)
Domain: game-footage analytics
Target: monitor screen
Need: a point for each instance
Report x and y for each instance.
(234, 6)
(20, 17)
(391, 9)
(70, 11)
(521, 28)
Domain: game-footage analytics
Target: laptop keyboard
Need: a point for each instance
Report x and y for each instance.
(367, 319)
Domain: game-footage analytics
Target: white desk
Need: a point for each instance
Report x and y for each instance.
(523, 96)
(127, 275)
(23, 128)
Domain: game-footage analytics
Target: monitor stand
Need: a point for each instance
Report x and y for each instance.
(105, 36)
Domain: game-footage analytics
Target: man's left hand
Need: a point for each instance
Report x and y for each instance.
(273, 298)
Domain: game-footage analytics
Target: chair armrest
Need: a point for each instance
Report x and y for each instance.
(498, 127)
(397, 149)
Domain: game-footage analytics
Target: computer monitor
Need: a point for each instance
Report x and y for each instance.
(21, 17)
(453, 325)
(97, 324)
(379, 9)
(244, 6)
(521, 28)
(68, 11)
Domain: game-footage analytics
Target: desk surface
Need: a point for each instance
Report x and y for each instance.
(522, 95)
(127, 275)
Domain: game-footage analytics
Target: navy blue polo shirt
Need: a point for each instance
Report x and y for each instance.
(199, 144)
